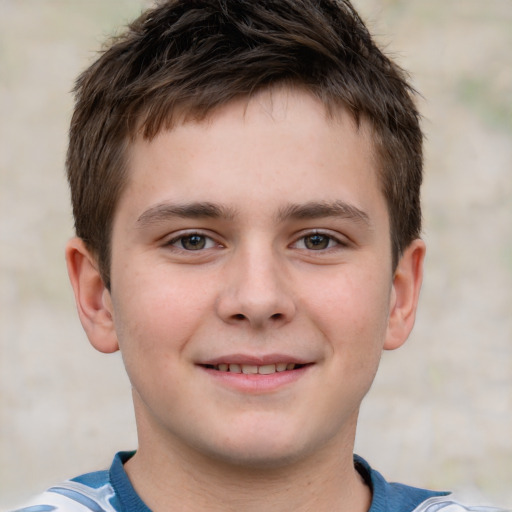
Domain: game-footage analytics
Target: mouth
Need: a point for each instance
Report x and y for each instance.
(256, 375)
(253, 369)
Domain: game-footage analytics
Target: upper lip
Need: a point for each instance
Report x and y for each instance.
(256, 360)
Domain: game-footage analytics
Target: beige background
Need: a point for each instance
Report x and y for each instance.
(440, 412)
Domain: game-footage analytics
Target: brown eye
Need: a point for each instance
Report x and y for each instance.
(193, 242)
(317, 242)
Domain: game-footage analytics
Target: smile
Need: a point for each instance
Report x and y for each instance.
(252, 369)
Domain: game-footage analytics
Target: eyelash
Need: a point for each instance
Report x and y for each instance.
(320, 234)
(207, 242)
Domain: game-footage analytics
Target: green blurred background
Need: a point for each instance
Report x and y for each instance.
(440, 412)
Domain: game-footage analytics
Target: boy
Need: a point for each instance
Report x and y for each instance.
(245, 182)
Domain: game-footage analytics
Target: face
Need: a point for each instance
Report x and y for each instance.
(252, 286)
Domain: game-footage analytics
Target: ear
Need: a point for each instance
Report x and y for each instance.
(93, 300)
(405, 294)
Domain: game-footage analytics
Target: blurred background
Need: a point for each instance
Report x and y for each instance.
(440, 412)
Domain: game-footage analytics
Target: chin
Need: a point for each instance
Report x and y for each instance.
(260, 452)
(259, 461)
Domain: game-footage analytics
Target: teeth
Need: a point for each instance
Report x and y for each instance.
(252, 369)
(267, 369)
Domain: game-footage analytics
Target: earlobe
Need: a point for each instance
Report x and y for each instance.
(92, 298)
(405, 295)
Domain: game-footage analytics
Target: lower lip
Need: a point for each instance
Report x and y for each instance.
(257, 383)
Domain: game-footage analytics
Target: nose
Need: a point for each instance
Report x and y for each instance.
(256, 291)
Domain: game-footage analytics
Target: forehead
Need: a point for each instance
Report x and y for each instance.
(282, 144)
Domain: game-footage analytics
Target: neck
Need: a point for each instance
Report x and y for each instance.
(325, 481)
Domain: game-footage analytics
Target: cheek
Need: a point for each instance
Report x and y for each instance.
(353, 310)
(155, 313)
(153, 331)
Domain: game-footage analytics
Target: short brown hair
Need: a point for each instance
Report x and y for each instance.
(188, 57)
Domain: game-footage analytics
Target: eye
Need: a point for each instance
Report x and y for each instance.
(317, 242)
(193, 242)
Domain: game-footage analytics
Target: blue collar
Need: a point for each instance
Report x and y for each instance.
(387, 497)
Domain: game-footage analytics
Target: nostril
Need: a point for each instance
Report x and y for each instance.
(277, 316)
(239, 316)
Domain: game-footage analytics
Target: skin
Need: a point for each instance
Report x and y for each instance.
(259, 235)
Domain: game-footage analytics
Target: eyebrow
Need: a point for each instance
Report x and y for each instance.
(199, 210)
(316, 210)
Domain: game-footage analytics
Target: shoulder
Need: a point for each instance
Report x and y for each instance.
(450, 503)
(403, 498)
(395, 497)
(90, 492)
(100, 491)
